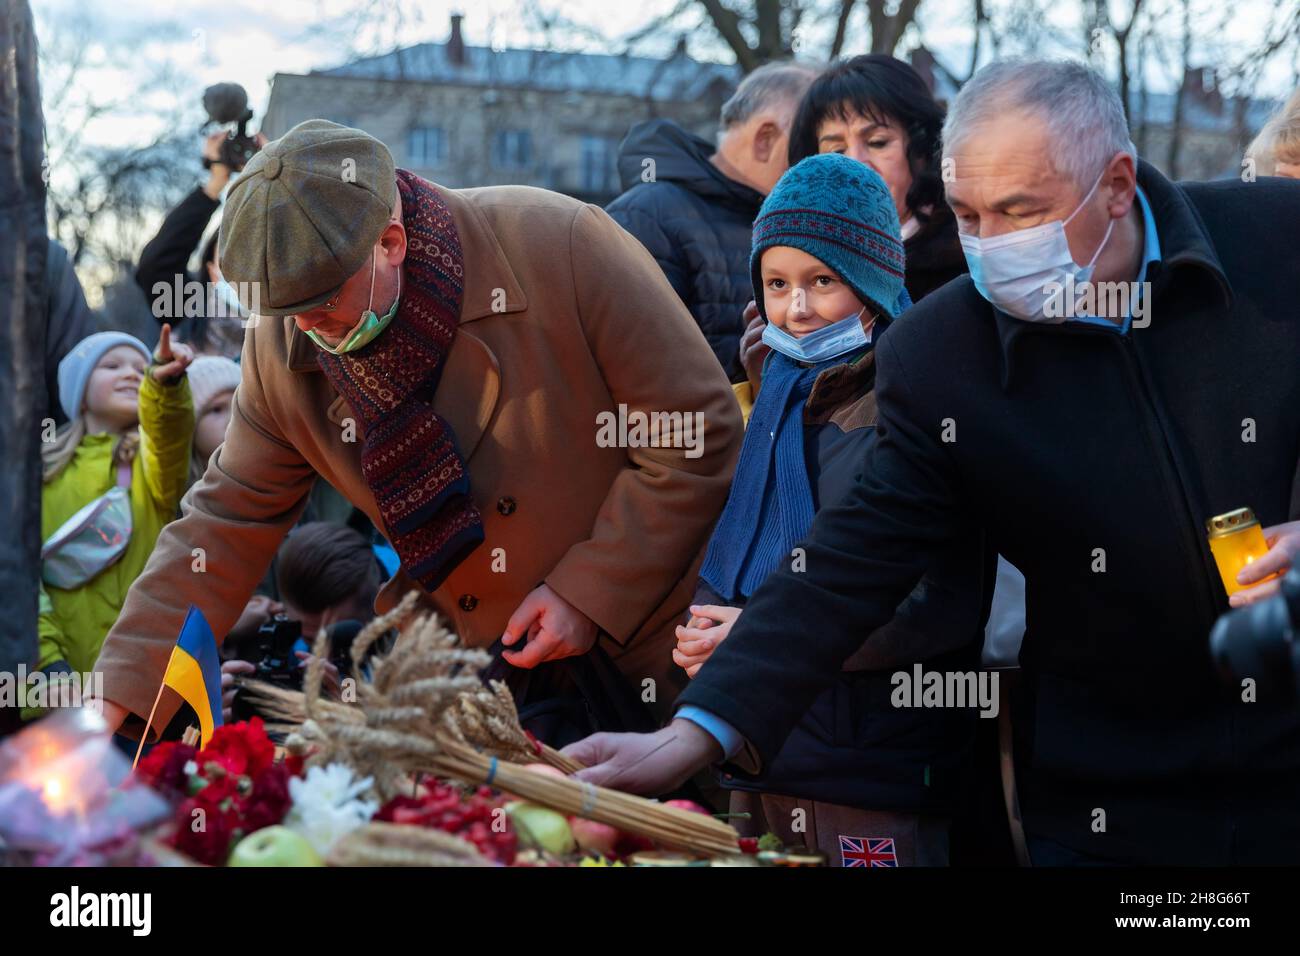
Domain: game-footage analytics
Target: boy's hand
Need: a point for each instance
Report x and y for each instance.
(708, 627)
(171, 359)
(1283, 547)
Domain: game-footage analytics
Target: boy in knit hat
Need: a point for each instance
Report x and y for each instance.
(861, 781)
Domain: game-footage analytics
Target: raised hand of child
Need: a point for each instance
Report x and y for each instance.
(170, 359)
(708, 627)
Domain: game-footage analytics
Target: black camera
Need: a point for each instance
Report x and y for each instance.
(1259, 641)
(228, 103)
(272, 652)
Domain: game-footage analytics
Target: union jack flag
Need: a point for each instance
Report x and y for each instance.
(867, 851)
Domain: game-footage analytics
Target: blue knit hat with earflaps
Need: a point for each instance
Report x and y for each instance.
(839, 211)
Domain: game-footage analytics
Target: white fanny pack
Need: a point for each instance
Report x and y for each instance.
(93, 539)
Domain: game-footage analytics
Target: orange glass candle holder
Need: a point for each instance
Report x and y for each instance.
(1236, 539)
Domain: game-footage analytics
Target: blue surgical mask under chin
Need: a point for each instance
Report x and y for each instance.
(1018, 271)
(838, 338)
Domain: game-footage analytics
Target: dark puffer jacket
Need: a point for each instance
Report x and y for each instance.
(696, 223)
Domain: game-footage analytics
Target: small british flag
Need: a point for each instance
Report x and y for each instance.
(867, 851)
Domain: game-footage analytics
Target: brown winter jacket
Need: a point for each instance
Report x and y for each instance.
(565, 316)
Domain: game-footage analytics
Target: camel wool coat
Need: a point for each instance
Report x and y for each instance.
(565, 316)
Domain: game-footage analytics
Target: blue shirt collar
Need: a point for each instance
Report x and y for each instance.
(1150, 254)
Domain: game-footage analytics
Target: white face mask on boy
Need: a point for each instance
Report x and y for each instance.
(838, 338)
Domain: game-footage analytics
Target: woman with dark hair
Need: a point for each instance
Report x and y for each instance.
(877, 109)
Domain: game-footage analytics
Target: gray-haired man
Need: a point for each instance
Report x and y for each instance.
(1119, 367)
(692, 204)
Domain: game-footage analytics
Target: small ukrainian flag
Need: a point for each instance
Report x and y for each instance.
(194, 672)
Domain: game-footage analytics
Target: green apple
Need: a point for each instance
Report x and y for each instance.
(274, 846)
(542, 828)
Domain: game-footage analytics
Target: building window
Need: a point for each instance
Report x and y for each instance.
(512, 149)
(598, 164)
(426, 146)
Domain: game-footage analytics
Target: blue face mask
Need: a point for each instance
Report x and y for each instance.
(838, 338)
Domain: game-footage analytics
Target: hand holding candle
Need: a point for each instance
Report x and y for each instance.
(1260, 577)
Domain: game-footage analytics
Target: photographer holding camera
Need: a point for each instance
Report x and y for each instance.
(217, 326)
(328, 577)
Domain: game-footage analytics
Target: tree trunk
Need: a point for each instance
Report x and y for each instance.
(22, 346)
(841, 27)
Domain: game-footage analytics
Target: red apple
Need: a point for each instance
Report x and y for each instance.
(542, 768)
(595, 837)
(690, 805)
(547, 769)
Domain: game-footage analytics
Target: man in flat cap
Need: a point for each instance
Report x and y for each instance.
(450, 361)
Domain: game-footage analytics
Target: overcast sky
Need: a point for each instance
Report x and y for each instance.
(248, 41)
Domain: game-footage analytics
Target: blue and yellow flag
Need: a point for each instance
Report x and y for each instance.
(194, 672)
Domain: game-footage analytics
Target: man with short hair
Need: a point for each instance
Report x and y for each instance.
(445, 359)
(692, 204)
(1091, 447)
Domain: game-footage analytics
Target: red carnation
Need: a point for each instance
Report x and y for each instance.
(219, 789)
(243, 749)
(205, 836)
(269, 801)
(295, 764)
(163, 768)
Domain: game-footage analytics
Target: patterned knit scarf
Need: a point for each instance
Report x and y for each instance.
(409, 456)
(770, 507)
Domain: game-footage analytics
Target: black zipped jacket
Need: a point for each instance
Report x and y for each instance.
(1092, 460)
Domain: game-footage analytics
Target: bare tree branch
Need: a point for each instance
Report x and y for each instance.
(841, 27)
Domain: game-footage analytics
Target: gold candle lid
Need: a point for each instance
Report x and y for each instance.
(1230, 522)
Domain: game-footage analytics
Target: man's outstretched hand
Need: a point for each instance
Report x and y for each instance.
(114, 714)
(648, 764)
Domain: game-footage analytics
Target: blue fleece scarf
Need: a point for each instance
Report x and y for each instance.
(770, 507)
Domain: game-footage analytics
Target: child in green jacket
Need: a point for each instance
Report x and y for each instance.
(130, 427)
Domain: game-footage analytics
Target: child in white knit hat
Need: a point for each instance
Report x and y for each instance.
(212, 383)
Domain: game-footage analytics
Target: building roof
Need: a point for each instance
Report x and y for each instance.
(1197, 113)
(675, 79)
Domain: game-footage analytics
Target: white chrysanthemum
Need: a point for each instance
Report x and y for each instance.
(327, 804)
